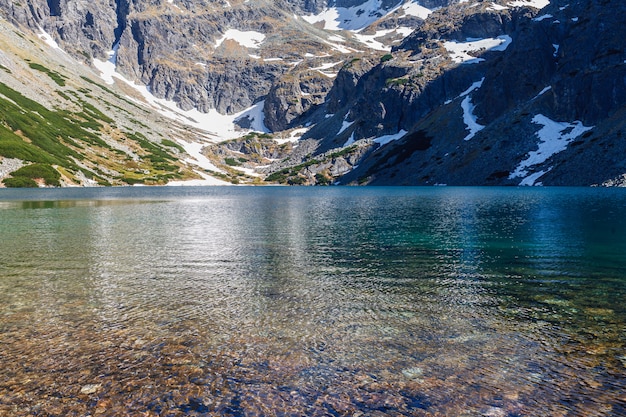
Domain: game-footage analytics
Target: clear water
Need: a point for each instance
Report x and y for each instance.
(313, 302)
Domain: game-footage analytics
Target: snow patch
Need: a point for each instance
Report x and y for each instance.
(497, 7)
(256, 117)
(531, 180)
(475, 86)
(345, 125)
(107, 68)
(336, 38)
(543, 17)
(372, 42)
(383, 140)
(207, 180)
(554, 138)
(326, 66)
(194, 149)
(537, 4)
(340, 48)
(353, 18)
(350, 140)
(45, 36)
(322, 69)
(415, 9)
(460, 51)
(469, 118)
(294, 136)
(542, 92)
(249, 39)
(221, 126)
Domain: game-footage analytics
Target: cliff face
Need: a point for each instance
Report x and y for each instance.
(488, 94)
(60, 125)
(202, 54)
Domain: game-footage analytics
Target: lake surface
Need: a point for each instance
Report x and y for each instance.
(274, 301)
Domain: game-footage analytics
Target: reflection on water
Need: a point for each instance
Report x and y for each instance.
(313, 302)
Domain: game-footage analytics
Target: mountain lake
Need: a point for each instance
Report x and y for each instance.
(325, 301)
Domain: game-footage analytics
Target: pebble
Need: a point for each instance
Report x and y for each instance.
(413, 373)
(90, 388)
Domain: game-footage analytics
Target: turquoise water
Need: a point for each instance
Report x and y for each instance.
(266, 301)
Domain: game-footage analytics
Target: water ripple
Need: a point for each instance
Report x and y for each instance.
(278, 302)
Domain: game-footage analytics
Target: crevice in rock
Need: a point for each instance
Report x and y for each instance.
(55, 7)
(122, 8)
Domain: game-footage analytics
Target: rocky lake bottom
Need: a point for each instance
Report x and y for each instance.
(237, 301)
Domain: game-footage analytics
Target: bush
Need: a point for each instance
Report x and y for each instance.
(19, 182)
(322, 179)
(296, 181)
(232, 162)
(44, 171)
(133, 181)
(56, 77)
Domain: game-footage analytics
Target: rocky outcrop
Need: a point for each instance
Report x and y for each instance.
(458, 22)
(560, 82)
(394, 91)
(293, 95)
(198, 54)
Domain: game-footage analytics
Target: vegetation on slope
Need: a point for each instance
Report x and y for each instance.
(74, 141)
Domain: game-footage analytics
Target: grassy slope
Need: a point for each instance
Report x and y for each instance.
(58, 115)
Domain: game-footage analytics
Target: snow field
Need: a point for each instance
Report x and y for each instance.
(460, 51)
(554, 138)
(248, 39)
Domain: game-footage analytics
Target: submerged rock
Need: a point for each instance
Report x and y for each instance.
(90, 388)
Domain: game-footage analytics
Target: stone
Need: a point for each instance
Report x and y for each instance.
(90, 388)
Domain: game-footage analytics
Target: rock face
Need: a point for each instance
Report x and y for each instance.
(293, 95)
(201, 54)
(60, 126)
(395, 91)
(545, 106)
(486, 92)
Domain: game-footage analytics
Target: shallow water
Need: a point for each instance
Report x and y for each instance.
(313, 302)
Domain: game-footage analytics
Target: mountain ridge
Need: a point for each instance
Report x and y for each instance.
(366, 91)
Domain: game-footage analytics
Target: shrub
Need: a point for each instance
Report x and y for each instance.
(172, 144)
(322, 179)
(56, 77)
(231, 162)
(19, 182)
(44, 171)
(396, 81)
(296, 181)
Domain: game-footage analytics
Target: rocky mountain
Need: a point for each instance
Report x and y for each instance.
(222, 55)
(60, 126)
(545, 105)
(485, 93)
(494, 92)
